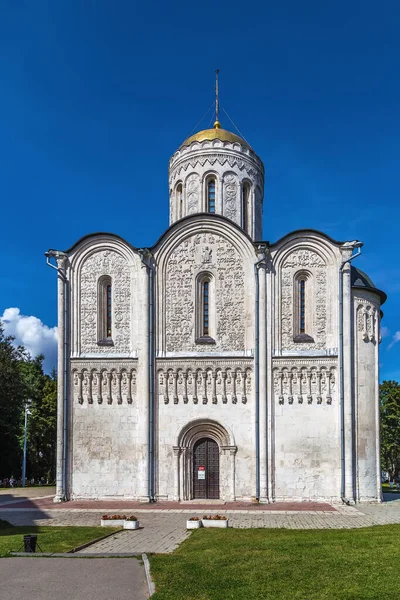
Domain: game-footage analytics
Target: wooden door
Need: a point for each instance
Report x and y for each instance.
(206, 469)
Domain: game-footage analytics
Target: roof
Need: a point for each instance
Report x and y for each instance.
(360, 280)
(215, 134)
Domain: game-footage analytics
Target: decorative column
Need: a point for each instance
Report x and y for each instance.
(61, 382)
(185, 389)
(195, 387)
(129, 393)
(214, 387)
(224, 398)
(262, 383)
(109, 388)
(177, 454)
(100, 387)
(232, 452)
(141, 473)
(90, 388)
(234, 399)
(119, 392)
(175, 386)
(309, 394)
(80, 385)
(205, 397)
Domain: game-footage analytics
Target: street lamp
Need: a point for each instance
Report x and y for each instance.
(27, 412)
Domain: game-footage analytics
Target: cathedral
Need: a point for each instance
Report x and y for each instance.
(213, 364)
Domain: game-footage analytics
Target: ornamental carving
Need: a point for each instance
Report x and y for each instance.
(230, 198)
(204, 384)
(105, 262)
(311, 383)
(247, 167)
(368, 316)
(115, 385)
(226, 265)
(313, 263)
(193, 193)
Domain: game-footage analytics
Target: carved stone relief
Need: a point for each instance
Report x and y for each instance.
(105, 262)
(186, 261)
(231, 200)
(368, 316)
(311, 261)
(193, 193)
(115, 385)
(304, 383)
(203, 384)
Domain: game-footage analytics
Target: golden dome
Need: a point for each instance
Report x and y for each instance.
(214, 134)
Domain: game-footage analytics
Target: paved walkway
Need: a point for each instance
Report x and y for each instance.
(97, 579)
(163, 530)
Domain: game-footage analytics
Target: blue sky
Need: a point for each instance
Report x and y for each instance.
(97, 95)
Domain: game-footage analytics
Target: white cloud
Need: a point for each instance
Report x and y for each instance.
(30, 332)
(385, 332)
(395, 339)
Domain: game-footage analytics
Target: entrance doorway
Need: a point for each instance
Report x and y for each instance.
(206, 469)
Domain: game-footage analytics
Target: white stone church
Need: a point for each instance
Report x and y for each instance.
(215, 365)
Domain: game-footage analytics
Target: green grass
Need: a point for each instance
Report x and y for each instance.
(388, 490)
(50, 539)
(281, 564)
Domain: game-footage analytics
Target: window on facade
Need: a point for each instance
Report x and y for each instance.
(302, 306)
(245, 206)
(204, 309)
(211, 196)
(179, 198)
(303, 318)
(104, 310)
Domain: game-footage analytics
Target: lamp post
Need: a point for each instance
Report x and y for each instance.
(25, 432)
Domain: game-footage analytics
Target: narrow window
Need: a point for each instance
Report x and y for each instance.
(206, 308)
(108, 311)
(104, 310)
(179, 197)
(302, 306)
(211, 196)
(245, 205)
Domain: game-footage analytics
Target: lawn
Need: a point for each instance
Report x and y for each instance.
(388, 490)
(50, 539)
(281, 564)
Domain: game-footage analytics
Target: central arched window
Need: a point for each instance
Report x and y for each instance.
(245, 205)
(205, 309)
(211, 196)
(104, 310)
(303, 307)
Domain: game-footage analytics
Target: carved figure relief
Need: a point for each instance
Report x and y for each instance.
(204, 385)
(184, 263)
(308, 384)
(105, 262)
(311, 261)
(99, 384)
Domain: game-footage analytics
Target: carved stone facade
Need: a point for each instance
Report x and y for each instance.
(216, 255)
(100, 263)
(212, 338)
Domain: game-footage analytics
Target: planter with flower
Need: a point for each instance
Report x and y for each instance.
(193, 523)
(131, 523)
(215, 521)
(112, 520)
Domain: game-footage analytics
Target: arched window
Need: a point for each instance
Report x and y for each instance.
(303, 310)
(104, 310)
(245, 205)
(211, 196)
(205, 312)
(302, 306)
(205, 318)
(179, 200)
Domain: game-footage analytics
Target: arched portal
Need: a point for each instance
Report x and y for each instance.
(205, 446)
(206, 469)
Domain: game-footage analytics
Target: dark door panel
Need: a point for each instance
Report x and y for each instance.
(206, 469)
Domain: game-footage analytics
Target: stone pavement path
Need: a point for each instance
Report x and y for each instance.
(162, 531)
(95, 579)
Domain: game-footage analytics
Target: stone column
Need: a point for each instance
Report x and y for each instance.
(177, 454)
(263, 384)
(224, 398)
(214, 387)
(347, 378)
(61, 383)
(270, 416)
(175, 388)
(143, 391)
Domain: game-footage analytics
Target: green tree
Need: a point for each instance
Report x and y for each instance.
(390, 427)
(12, 396)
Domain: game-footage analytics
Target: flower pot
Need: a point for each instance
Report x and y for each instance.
(221, 523)
(193, 524)
(112, 522)
(131, 524)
